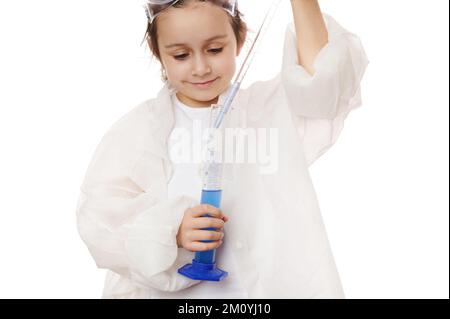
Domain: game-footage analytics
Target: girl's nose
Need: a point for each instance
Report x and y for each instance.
(201, 67)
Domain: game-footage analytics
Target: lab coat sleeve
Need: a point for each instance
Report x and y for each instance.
(126, 228)
(320, 103)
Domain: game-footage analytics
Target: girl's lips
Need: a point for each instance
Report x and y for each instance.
(204, 85)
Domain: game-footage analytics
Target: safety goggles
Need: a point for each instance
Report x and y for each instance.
(153, 8)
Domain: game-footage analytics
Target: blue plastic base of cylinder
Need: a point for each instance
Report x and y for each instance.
(199, 271)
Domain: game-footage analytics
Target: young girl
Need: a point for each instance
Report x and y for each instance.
(139, 211)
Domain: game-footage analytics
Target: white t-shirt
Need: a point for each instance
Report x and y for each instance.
(186, 180)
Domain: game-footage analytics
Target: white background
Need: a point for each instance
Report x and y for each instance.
(70, 69)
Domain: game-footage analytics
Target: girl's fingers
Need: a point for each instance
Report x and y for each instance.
(199, 246)
(207, 222)
(205, 209)
(198, 235)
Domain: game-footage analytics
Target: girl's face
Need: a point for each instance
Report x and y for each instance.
(198, 51)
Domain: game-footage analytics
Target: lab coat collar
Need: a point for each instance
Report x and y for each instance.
(162, 121)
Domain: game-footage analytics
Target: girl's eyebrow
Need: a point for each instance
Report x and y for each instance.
(208, 40)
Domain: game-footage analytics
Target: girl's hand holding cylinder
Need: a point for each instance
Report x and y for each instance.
(201, 228)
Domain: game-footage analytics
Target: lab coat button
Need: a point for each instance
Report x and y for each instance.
(239, 245)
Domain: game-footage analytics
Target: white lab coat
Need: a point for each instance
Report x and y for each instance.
(275, 230)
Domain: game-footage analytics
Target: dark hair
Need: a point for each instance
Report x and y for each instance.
(238, 25)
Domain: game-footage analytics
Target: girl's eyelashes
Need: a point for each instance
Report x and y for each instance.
(216, 50)
(181, 56)
(184, 56)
